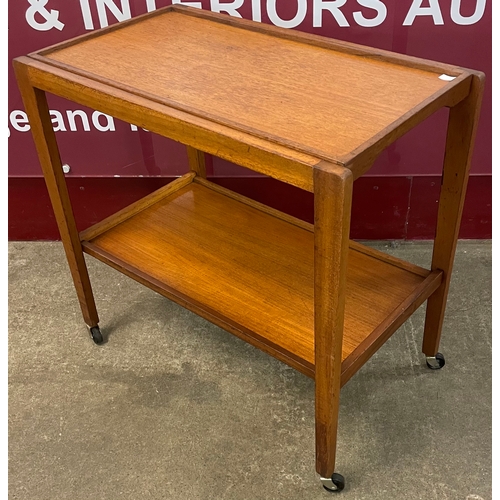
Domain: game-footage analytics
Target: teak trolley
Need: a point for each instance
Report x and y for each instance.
(307, 110)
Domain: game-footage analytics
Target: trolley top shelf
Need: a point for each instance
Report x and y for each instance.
(330, 100)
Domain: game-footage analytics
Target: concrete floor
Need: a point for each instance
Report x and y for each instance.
(174, 407)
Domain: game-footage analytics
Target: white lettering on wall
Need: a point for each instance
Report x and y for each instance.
(43, 19)
(103, 123)
(134, 128)
(120, 15)
(86, 14)
(331, 5)
(256, 11)
(51, 17)
(110, 122)
(72, 122)
(376, 5)
(229, 7)
(102, 7)
(416, 9)
(465, 21)
(19, 120)
(292, 23)
(57, 121)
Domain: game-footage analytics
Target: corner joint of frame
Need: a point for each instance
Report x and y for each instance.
(21, 67)
(21, 62)
(478, 80)
(338, 170)
(477, 75)
(178, 7)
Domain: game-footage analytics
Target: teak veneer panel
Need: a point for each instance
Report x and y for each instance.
(254, 81)
(255, 270)
(288, 165)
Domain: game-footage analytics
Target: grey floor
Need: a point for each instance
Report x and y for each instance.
(172, 407)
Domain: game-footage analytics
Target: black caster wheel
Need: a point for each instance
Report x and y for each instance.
(436, 362)
(336, 483)
(96, 335)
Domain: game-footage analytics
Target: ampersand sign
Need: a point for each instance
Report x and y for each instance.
(51, 17)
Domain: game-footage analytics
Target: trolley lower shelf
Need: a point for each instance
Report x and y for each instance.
(249, 269)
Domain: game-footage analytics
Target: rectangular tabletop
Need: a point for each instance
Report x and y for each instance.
(295, 90)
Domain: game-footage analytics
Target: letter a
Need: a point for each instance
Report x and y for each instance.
(416, 9)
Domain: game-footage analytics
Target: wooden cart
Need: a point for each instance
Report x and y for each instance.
(307, 110)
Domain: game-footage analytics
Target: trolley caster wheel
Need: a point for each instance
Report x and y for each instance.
(336, 483)
(435, 362)
(96, 335)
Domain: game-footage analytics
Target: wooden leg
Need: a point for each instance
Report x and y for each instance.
(196, 160)
(462, 127)
(332, 212)
(36, 107)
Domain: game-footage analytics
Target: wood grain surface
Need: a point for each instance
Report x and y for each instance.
(279, 162)
(196, 159)
(300, 95)
(35, 103)
(133, 209)
(332, 216)
(239, 263)
(462, 127)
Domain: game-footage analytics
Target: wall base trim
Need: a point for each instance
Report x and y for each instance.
(384, 208)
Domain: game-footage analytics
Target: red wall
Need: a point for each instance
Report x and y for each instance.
(96, 146)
